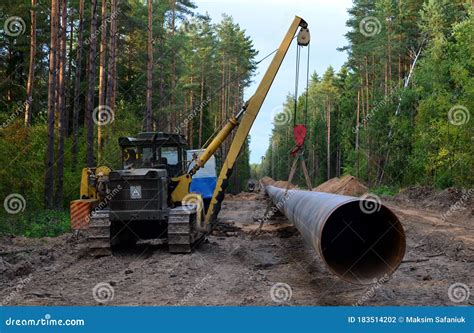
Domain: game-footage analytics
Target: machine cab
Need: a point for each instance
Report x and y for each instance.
(155, 150)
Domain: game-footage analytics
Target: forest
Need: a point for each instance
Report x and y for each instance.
(398, 112)
(77, 75)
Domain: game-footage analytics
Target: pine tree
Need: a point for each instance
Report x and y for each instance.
(49, 171)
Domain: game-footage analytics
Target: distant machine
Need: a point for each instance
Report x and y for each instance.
(252, 185)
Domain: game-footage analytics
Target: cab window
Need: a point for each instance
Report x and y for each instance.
(138, 157)
(171, 155)
(129, 157)
(147, 157)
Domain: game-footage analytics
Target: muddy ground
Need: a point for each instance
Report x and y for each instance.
(236, 267)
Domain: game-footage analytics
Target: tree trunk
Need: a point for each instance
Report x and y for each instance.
(57, 62)
(31, 69)
(328, 119)
(10, 73)
(173, 120)
(310, 147)
(201, 106)
(367, 84)
(164, 117)
(49, 160)
(149, 71)
(362, 94)
(357, 132)
(91, 86)
(114, 32)
(399, 63)
(69, 76)
(61, 106)
(77, 85)
(222, 106)
(190, 122)
(389, 58)
(102, 83)
(110, 95)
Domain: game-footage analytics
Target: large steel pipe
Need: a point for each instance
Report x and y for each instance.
(360, 240)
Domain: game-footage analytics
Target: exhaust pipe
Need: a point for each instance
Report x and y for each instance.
(360, 240)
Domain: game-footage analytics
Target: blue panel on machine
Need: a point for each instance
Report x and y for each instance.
(204, 181)
(205, 186)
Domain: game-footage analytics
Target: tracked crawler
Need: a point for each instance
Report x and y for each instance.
(152, 195)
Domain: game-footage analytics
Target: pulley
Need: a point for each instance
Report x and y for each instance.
(303, 37)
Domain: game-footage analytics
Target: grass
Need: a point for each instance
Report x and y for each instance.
(385, 190)
(42, 223)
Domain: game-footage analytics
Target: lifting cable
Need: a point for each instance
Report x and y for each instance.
(299, 131)
(238, 76)
(307, 89)
(297, 77)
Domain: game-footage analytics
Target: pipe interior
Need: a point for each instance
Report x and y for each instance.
(362, 247)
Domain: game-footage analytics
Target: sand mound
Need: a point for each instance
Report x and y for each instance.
(330, 186)
(277, 183)
(247, 196)
(346, 185)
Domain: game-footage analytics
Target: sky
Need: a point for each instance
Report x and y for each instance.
(266, 22)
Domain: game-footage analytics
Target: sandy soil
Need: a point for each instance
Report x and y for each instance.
(236, 267)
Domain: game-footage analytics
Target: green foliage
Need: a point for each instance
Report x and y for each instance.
(409, 132)
(442, 150)
(406, 132)
(385, 190)
(42, 223)
(200, 69)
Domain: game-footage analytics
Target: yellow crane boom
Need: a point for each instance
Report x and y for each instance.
(243, 121)
(253, 108)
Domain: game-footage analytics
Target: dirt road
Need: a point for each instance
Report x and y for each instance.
(235, 267)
